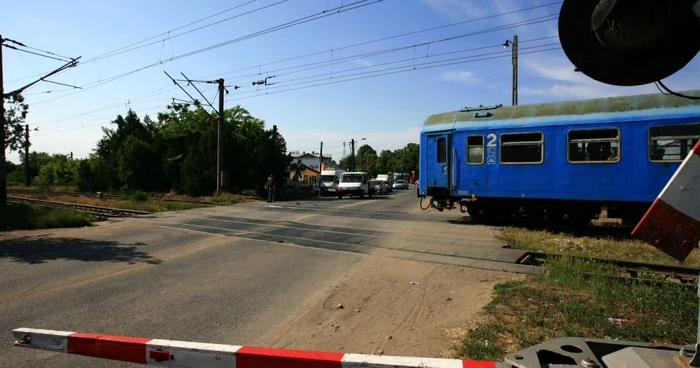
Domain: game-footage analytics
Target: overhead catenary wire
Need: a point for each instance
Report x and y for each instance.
(101, 56)
(348, 7)
(170, 37)
(36, 53)
(316, 65)
(339, 73)
(392, 37)
(336, 81)
(170, 88)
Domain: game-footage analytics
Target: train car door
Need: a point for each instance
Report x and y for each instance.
(438, 160)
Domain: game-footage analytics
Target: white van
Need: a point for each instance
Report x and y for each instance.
(328, 181)
(354, 184)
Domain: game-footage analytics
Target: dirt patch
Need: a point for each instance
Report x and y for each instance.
(377, 309)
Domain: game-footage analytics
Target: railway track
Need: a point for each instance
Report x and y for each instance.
(94, 195)
(683, 275)
(97, 211)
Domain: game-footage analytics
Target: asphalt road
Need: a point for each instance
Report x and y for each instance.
(221, 275)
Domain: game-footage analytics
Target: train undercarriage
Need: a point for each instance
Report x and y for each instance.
(555, 212)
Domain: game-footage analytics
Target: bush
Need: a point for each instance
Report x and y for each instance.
(128, 194)
(30, 217)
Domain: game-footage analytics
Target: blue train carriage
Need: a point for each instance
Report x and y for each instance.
(561, 161)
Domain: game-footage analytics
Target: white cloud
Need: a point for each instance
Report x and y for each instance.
(463, 76)
(560, 81)
(456, 9)
(362, 62)
(553, 68)
(564, 91)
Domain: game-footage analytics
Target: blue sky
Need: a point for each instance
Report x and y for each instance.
(388, 110)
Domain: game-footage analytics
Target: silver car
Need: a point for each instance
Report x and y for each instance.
(401, 184)
(380, 186)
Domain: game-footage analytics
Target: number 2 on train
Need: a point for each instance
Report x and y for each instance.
(492, 140)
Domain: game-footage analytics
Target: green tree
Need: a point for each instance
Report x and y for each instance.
(61, 171)
(367, 160)
(384, 162)
(406, 159)
(15, 114)
(178, 152)
(345, 163)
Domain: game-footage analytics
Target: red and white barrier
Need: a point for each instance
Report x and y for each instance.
(672, 223)
(171, 353)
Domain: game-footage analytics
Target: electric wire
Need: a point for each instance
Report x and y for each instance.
(349, 7)
(170, 87)
(144, 40)
(413, 66)
(339, 81)
(393, 37)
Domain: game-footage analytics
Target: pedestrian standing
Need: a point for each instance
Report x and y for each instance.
(271, 187)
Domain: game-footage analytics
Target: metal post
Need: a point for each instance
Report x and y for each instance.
(220, 144)
(3, 176)
(27, 174)
(515, 70)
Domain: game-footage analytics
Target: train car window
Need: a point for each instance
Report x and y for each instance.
(594, 145)
(522, 148)
(441, 150)
(475, 149)
(672, 143)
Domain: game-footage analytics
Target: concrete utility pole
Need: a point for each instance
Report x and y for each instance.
(320, 161)
(220, 145)
(27, 174)
(221, 178)
(352, 149)
(3, 175)
(352, 154)
(515, 66)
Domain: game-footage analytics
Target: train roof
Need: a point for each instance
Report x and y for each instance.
(611, 109)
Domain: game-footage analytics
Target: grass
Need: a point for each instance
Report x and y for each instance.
(563, 303)
(622, 246)
(30, 217)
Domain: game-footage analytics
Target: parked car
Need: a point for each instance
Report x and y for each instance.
(380, 186)
(401, 184)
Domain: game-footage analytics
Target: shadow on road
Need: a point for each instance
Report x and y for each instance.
(36, 250)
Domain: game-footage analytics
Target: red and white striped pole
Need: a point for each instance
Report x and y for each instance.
(170, 353)
(672, 223)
